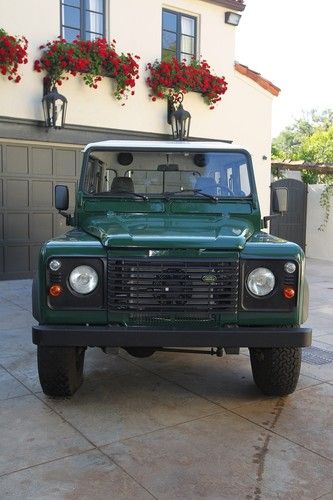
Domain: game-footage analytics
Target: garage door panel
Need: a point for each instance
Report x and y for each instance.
(41, 226)
(16, 161)
(64, 163)
(41, 161)
(17, 226)
(34, 253)
(59, 224)
(27, 213)
(41, 194)
(1, 227)
(17, 193)
(17, 258)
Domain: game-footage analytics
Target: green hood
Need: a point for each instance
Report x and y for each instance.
(173, 231)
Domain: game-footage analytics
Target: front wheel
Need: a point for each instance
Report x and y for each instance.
(276, 369)
(60, 369)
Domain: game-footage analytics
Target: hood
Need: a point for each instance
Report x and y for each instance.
(174, 231)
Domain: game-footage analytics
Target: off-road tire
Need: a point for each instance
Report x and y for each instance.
(60, 370)
(140, 352)
(276, 370)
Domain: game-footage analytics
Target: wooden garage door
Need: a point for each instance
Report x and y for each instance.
(28, 174)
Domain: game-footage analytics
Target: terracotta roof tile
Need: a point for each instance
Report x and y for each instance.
(230, 4)
(256, 77)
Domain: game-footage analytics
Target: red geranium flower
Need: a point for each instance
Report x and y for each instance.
(168, 78)
(13, 51)
(90, 59)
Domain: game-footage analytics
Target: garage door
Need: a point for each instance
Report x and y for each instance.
(28, 174)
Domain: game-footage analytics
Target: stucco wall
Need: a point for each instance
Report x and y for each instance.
(136, 26)
(244, 115)
(318, 243)
(249, 116)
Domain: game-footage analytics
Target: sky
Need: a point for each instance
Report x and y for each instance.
(290, 43)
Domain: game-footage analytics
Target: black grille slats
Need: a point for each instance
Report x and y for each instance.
(172, 285)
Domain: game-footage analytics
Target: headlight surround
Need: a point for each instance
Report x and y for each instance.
(260, 282)
(83, 279)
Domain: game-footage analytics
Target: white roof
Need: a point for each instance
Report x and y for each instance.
(187, 145)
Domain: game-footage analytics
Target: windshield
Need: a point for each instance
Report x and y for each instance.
(166, 174)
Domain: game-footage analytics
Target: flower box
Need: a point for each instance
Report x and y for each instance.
(169, 78)
(92, 60)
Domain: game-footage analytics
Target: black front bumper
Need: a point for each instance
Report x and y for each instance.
(118, 336)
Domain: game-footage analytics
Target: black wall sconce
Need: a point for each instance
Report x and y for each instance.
(54, 106)
(232, 18)
(179, 119)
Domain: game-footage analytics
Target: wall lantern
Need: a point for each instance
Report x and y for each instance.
(232, 18)
(180, 121)
(54, 107)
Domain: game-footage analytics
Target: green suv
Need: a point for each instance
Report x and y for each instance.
(167, 252)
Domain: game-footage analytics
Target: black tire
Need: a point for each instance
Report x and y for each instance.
(140, 352)
(60, 370)
(276, 370)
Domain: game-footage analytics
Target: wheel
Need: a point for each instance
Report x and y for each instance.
(276, 369)
(140, 352)
(60, 370)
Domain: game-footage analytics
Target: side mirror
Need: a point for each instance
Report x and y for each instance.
(280, 200)
(61, 197)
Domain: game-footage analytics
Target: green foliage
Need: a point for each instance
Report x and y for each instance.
(310, 139)
(289, 143)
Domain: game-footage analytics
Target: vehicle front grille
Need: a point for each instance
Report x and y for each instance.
(166, 285)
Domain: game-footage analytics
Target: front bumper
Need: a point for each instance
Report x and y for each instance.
(120, 336)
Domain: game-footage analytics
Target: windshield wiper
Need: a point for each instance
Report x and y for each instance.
(138, 195)
(168, 194)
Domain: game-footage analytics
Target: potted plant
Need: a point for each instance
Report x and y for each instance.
(90, 59)
(13, 52)
(168, 78)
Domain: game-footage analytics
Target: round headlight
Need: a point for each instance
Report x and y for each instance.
(261, 281)
(83, 279)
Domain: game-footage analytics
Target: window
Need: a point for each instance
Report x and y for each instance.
(151, 173)
(179, 34)
(82, 17)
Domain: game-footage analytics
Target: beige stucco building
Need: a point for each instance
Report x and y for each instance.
(34, 158)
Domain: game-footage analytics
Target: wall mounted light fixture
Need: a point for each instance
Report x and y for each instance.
(180, 121)
(54, 107)
(232, 18)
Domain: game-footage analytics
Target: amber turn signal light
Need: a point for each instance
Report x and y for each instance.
(288, 292)
(55, 290)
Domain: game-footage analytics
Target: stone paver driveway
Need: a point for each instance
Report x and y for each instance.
(173, 426)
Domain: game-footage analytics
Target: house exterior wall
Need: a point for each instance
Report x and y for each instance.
(243, 116)
(137, 28)
(318, 243)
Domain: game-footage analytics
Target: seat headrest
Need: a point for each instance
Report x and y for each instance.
(122, 184)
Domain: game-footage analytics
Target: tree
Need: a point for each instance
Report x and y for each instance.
(310, 139)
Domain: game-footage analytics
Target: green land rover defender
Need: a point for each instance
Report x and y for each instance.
(167, 253)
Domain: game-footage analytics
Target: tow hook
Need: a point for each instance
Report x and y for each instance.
(218, 351)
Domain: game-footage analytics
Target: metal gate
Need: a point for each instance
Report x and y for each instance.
(292, 225)
(28, 174)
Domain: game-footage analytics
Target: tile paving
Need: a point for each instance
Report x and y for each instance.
(173, 426)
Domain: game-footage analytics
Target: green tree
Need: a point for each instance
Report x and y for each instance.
(310, 138)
